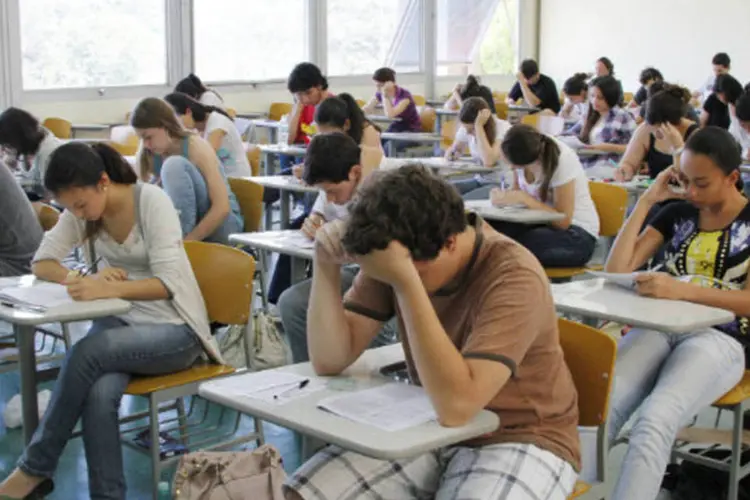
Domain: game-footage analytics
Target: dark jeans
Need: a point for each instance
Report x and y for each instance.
(553, 247)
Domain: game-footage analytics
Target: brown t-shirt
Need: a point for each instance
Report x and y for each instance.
(500, 309)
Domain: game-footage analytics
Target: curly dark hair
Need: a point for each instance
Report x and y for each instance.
(410, 205)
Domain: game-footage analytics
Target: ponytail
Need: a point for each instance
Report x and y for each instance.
(549, 159)
(182, 102)
(117, 168)
(524, 145)
(356, 117)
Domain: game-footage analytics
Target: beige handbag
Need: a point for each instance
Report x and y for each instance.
(239, 475)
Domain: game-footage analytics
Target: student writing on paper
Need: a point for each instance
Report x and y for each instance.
(135, 228)
(536, 89)
(22, 135)
(472, 88)
(549, 176)
(482, 132)
(187, 168)
(648, 77)
(20, 231)
(194, 87)
(216, 127)
(707, 236)
(576, 90)
(479, 331)
(606, 127)
(661, 136)
(337, 166)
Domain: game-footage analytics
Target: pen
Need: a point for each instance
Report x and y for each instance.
(28, 307)
(300, 385)
(90, 269)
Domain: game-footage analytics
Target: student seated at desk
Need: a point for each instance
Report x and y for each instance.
(187, 168)
(673, 376)
(648, 77)
(549, 177)
(740, 127)
(664, 132)
(479, 331)
(576, 90)
(193, 86)
(483, 133)
(605, 67)
(216, 127)
(536, 89)
(397, 102)
(716, 109)
(721, 65)
(31, 143)
(472, 88)
(135, 229)
(336, 165)
(606, 127)
(690, 112)
(21, 232)
(336, 114)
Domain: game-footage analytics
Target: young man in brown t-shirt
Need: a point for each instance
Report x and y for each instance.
(478, 328)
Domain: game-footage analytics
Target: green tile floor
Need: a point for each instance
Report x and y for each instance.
(71, 481)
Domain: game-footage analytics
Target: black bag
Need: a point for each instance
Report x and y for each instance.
(690, 481)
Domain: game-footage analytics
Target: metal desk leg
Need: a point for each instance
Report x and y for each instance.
(389, 148)
(266, 163)
(273, 135)
(27, 361)
(438, 123)
(285, 212)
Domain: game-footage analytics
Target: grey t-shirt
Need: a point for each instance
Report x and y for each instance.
(20, 231)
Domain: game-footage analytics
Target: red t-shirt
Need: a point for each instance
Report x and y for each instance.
(303, 127)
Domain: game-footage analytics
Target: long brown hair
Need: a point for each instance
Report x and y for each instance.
(610, 89)
(468, 114)
(153, 112)
(523, 145)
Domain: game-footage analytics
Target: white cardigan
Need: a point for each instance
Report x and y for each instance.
(159, 227)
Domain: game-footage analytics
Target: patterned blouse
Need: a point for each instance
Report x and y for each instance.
(718, 259)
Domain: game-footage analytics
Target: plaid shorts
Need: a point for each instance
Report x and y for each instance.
(503, 471)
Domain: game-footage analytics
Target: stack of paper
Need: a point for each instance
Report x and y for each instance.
(390, 407)
(271, 386)
(625, 280)
(42, 295)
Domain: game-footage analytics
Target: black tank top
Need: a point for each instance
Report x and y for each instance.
(658, 161)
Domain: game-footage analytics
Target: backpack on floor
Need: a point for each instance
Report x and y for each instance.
(690, 481)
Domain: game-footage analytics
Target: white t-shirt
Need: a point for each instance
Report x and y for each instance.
(741, 136)
(569, 169)
(211, 98)
(464, 137)
(329, 210)
(232, 151)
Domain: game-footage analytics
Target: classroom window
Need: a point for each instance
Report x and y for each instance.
(249, 40)
(477, 36)
(364, 35)
(92, 43)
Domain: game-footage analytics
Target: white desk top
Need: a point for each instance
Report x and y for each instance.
(512, 214)
(266, 123)
(283, 182)
(446, 112)
(283, 242)
(597, 299)
(282, 149)
(439, 163)
(411, 136)
(252, 115)
(304, 416)
(522, 107)
(591, 152)
(382, 119)
(637, 184)
(90, 126)
(77, 311)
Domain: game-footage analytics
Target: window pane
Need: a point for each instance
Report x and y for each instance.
(249, 40)
(92, 43)
(477, 36)
(364, 35)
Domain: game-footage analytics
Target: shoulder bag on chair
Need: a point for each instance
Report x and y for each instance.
(241, 475)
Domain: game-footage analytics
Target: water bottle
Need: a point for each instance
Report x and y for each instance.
(165, 492)
(283, 132)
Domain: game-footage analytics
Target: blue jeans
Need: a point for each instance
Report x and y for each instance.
(553, 247)
(282, 273)
(187, 188)
(92, 380)
(476, 188)
(671, 377)
(293, 309)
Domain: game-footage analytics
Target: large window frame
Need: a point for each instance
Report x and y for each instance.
(180, 55)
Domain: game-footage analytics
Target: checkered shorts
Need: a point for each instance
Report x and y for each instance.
(502, 471)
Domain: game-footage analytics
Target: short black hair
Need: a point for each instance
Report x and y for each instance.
(720, 146)
(410, 205)
(742, 108)
(529, 68)
(576, 84)
(305, 76)
(729, 86)
(330, 158)
(649, 74)
(607, 62)
(383, 75)
(20, 131)
(721, 59)
(667, 104)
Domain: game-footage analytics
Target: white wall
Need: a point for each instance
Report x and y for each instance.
(679, 37)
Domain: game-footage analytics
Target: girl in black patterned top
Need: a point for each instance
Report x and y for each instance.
(707, 236)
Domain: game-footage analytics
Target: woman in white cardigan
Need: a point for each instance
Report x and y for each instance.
(136, 236)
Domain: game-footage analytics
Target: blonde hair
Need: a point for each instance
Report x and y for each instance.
(153, 112)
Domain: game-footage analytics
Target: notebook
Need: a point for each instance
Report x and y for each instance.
(390, 407)
(41, 296)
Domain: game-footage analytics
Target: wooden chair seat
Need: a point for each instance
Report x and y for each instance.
(738, 394)
(141, 386)
(559, 273)
(580, 489)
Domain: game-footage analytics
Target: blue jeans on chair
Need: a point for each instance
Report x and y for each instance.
(92, 380)
(553, 247)
(187, 188)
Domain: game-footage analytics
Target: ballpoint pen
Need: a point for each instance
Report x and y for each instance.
(300, 385)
